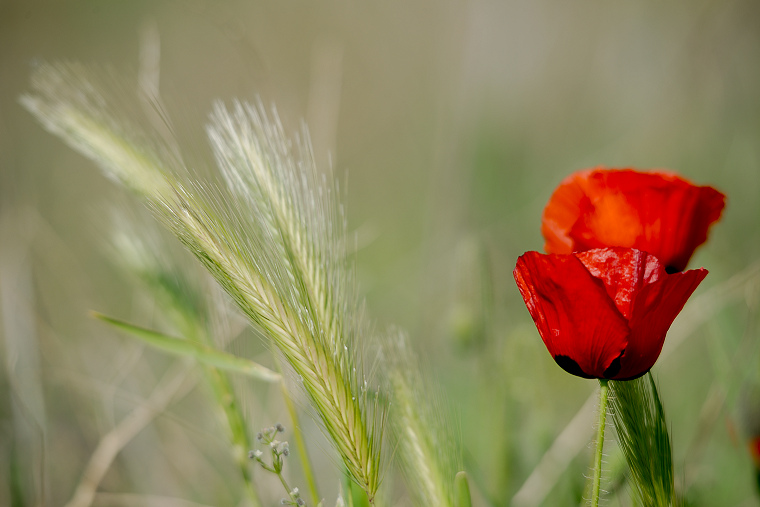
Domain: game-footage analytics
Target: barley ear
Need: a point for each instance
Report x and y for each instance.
(643, 436)
(272, 234)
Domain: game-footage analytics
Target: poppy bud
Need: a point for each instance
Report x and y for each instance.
(603, 313)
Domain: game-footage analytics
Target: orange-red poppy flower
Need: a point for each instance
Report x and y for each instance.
(603, 313)
(754, 450)
(657, 212)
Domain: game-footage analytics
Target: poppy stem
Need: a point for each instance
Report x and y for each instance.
(603, 390)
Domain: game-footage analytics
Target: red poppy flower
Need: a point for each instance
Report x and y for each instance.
(657, 212)
(754, 450)
(603, 313)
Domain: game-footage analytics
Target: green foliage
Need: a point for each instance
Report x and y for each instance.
(191, 312)
(643, 436)
(405, 139)
(186, 348)
(355, 497)
(272, 235)
(601, 425)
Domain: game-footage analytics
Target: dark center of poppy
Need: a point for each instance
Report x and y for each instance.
(614, 367)
(570, 366)
(671, 269)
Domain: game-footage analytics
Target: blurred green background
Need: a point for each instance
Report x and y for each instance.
(453, 121)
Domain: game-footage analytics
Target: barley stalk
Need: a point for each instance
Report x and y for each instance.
(272, 236)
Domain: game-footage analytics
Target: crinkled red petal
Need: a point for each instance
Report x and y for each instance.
(624, 271)
(573, 312)
(657, 212)
(654, 308)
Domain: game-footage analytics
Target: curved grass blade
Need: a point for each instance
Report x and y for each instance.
(202, 353)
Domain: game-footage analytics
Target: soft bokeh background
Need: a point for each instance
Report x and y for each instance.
(454, 121)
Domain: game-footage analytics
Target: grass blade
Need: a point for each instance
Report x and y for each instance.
(202, 353)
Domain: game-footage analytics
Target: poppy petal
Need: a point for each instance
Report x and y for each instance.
(624, 271)
(606, 216)
(561, 214)
(685, 219)
(657, 212)
(576, 318)
(655, 307)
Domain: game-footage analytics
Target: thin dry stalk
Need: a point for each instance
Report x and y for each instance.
(114, 441)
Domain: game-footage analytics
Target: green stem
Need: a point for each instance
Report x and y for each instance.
(462, 491)
(225, 397)
(603, 390)
(288, 490)
(298, 436)
(224, 393)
